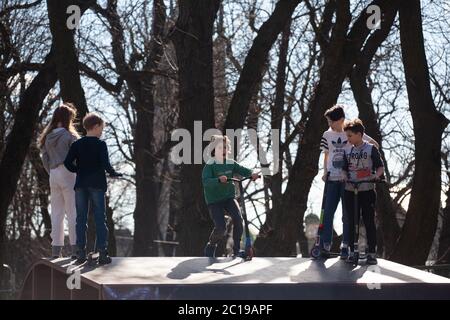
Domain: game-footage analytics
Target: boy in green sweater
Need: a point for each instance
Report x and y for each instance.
(220, 193)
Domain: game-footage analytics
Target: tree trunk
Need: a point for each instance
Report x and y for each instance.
(20, 137)
(303, 243)
(19, 140)
(444, 238)
(112, 246)
(174, 212)
(145, 212)
(141, 84)
(277, 113)
(388, 226)
(192, 38)
(221, 95)
(428, 125)
(43, 189)
(146, 228)
(66, 58)
(66, 61)
(277, 109)
(251, 76)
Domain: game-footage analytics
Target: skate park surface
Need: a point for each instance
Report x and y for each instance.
(202, 278)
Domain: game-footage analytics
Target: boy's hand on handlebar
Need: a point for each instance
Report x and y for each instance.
(223, 179)
(255, 176)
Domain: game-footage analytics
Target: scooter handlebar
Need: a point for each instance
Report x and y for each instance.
(240, 180)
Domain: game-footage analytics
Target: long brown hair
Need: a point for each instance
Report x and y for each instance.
(64, 114)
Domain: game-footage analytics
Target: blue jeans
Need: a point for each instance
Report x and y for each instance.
(335, 192)
(96, 198)
(217, 213)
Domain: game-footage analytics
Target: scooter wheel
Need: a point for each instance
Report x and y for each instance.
(315, 252)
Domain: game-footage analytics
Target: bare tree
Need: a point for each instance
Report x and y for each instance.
(429, 124)
(20, 136)
(362, 93)
(192, 38)
(339, 51)
(65, 55)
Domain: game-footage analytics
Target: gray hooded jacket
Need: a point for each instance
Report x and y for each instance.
(57, 145)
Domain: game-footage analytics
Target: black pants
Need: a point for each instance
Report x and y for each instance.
(217, 213)
(366, 207)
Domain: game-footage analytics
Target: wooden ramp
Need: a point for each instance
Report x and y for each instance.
(225, 278)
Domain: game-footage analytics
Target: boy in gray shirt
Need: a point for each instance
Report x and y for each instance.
(362, 163)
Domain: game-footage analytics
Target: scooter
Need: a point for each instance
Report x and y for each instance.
(249, 250)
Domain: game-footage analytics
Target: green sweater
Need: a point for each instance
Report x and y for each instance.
(214, 190)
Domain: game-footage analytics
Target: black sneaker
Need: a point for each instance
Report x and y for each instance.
(104, 258)
(74, 254)
(371, 259)
(81, 260)
(81, 257)
(352, 259)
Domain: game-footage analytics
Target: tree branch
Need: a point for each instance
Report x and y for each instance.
(19, 7)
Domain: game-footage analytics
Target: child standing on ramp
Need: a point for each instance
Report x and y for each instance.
(363, 166)
(220, 193)
(88, 158)
(335, 144)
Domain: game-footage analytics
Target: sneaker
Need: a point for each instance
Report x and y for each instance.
(81, 257)
(56, 252)
(81, 260)
(351, 259)
(371, 259)
(239, 254)
(104, 258)
(344, 253)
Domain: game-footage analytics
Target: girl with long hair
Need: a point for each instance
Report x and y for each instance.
(54, 143)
